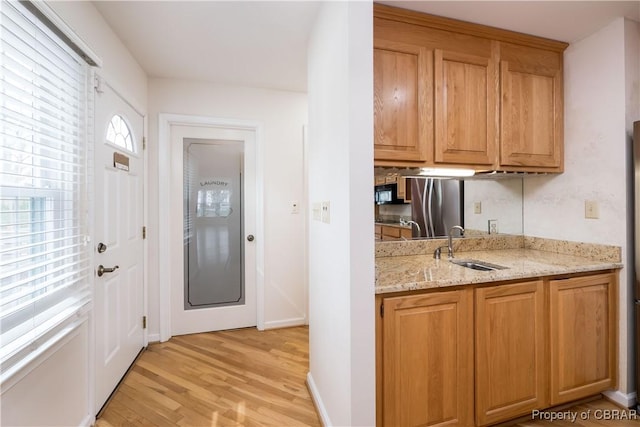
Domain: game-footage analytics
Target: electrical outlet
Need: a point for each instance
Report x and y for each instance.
(493, 226)
(591, 210)
(477, 207)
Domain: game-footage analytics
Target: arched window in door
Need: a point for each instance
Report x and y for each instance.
(118, 133)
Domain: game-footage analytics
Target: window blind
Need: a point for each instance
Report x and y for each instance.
(44, 256)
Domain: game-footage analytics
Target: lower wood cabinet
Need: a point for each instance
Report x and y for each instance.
(583, 336)
(483, 355)
(510, 351)
(392, 232)
(427, 357)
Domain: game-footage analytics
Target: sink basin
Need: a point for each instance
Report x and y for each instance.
(477, 265)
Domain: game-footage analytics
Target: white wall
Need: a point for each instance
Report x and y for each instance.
(58, 391)
(632, 72)
(282, 116)
(341, 253)
(119, 67)
(595, 162)
(500, 200)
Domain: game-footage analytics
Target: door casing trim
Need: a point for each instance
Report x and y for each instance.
(165, 252)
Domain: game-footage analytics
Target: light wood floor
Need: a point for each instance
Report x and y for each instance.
(250, 378)
(240, 377)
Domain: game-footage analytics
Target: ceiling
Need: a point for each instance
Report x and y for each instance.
(264, 43)
(248, 43)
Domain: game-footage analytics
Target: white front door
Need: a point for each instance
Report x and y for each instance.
(215, 279)
(118, 245)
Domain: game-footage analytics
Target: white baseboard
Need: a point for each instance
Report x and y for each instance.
(276, 324)
(317, 400)
(88, 421)
(626, 400)
(153, 338)
(285, 323)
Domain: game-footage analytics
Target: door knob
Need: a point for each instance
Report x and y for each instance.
(102, 269)
(250, 237)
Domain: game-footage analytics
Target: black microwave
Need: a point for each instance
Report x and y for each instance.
(387, 194)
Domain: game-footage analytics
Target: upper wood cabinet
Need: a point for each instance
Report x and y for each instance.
(451, 93)
(466, 90)
(531, 107)
(399, 103)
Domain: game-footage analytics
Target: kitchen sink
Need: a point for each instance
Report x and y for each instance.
(477, 265)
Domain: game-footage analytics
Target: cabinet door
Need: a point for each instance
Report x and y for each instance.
(404, 189)
(400, 78)
(531, 116)
(428, 360)
(510, 346)
(466, 121)
(390, 232)
(583, 336)
(406, 233)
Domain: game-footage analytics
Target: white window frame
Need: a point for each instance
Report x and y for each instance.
(63, 317)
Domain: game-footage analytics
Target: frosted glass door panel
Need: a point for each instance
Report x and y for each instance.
(214, 273)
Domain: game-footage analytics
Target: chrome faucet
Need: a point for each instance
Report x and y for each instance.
(438, 251)
(450, 245)
(410, 222)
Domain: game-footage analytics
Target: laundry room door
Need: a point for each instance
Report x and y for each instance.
(118, 243)
(216, 286)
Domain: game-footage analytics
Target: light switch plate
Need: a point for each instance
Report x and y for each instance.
(317, 211)
(326, 212)
(591, 210)
(477, 207)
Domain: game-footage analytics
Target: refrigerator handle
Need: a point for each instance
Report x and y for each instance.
(431, 226)
(424, 208)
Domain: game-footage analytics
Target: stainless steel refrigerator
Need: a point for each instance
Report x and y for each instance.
(436, 205)
(635, 248)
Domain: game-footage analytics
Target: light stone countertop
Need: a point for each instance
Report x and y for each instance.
(414, 272)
